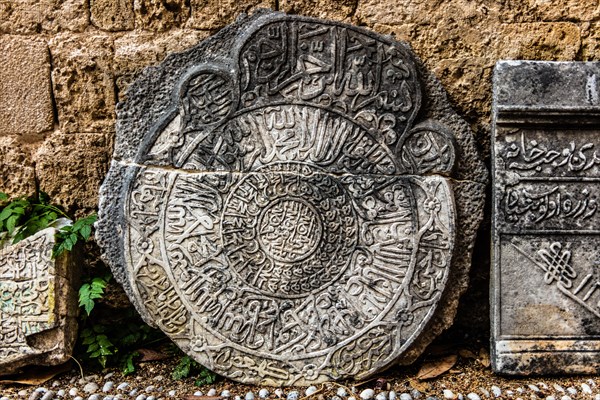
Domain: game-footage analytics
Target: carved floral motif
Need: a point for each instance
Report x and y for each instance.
(287, 222)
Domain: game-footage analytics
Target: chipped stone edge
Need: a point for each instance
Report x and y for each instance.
(521, 356)
(64, 331)
(110, 229)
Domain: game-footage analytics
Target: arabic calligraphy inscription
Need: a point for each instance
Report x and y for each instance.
(547, 222)
(287, 220)
(32, 288)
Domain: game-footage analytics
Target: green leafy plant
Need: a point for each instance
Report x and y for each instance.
(91, 291)
(25, 216)
(69, 235)
(116, 347)
(128, 364)
(184, 368)
(205, 377)
(188, 367)
(99, 347)
(133, 335)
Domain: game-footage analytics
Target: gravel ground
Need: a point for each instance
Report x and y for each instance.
(468, 379)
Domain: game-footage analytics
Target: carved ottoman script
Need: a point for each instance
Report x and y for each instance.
(546, 264)
(38, 305)
(286, 218)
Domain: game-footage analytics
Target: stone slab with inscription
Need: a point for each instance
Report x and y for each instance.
(38, 304)
(292, 201)
(546, 222)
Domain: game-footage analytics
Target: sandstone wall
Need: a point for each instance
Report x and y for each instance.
(64, 64)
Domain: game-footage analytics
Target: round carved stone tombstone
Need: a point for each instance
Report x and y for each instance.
(292, 201)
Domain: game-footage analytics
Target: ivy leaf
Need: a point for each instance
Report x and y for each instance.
(83, 226)
(68, 244)
(58, 249)
(69, 236)
(3, 196)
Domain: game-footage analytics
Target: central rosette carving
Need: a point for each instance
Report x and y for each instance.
(288, 229)
(289, 219)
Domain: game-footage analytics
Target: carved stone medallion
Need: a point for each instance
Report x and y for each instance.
(283, 201)
(546, 269)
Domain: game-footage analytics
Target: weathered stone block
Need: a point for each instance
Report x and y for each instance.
(35, 16)
(137, 50)
(590, 42)
(38, 304)
(17, 176)
(70, 168)
(64, 15)
(340, 10)
(112, 15)
(467, 78)
(545, 277)
(292, 193)
(83, 82)
(536, 10)
(161, 15)
(25, 88)
(558, 41)
(18, 17)
(430, 14)
(215, 14)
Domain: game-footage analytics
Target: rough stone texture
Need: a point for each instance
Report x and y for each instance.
(590, 37)
(215, 14)
(35, 16)
(38, 305)
(70, 168)
(137, 50)
(112, 15)
(83, 82)
(25, 89)
(460, 40)
(534, 41)
(536, 10)
(545, 277)
(161, 15)
(17, 176)
(295, 193)
(340, 10)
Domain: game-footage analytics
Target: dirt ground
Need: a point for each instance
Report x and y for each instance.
(459, 367)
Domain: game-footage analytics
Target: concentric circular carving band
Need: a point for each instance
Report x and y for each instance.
(288, 229)
(286, 220)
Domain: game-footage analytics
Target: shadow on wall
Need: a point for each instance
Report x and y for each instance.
(65, 65)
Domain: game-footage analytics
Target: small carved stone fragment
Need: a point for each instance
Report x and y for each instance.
(38, 304)
(292, 201)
